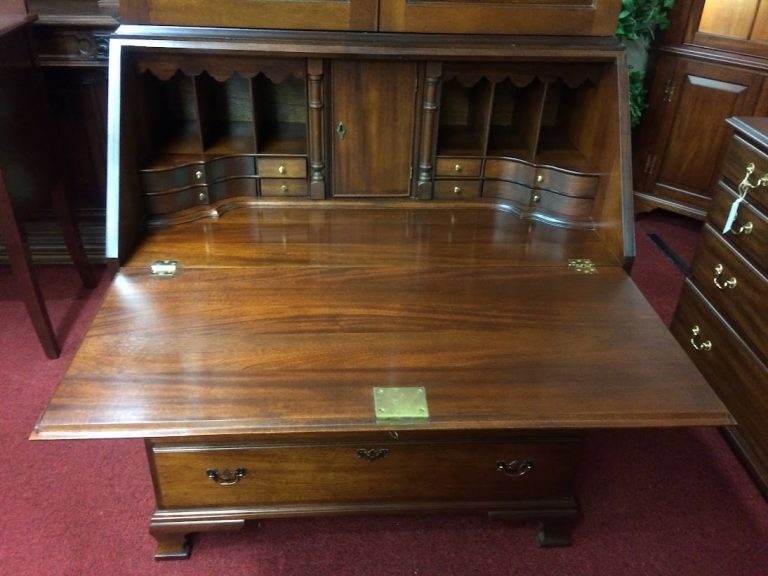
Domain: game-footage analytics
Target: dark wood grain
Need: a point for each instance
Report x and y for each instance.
(496, 343)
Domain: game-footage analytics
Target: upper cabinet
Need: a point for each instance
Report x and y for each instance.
(737, 25)
(539, 17)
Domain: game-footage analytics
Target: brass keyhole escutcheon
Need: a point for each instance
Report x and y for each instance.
(341, 130)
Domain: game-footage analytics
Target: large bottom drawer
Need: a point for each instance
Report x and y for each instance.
(268, 475)
(735, 372)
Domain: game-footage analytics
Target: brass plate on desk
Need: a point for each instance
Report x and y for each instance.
(399, 403)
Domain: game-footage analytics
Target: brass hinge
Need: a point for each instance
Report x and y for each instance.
(164, 268)
(669, 91)
(582, 265)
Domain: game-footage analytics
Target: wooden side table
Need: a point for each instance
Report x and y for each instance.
(29, 167)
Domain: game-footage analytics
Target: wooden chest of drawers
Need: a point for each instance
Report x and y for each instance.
(721, 318)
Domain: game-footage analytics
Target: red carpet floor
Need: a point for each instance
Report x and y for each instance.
(655, 502)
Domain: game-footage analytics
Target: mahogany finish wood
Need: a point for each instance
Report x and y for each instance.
(265, 162)
(726, 294)
(29, 169)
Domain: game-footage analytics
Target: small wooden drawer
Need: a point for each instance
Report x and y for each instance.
(230, 166)
(456, 189)
(563, 207)
(748, 233)
(728, 364)
(282, 167)
(565, 183)
(233, 187)
(734, 287)
(278, 187)
(517, 193)
(511, 171)
(180, 199)
(177, 177)
(458, 167)
(361, 472)
(741, 155)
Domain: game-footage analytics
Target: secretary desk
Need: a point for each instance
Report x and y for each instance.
(370, 256)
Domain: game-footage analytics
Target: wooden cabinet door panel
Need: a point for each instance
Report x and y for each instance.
(704, 96)
(373, 106)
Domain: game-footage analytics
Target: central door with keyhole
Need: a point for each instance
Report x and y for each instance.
(373, 107)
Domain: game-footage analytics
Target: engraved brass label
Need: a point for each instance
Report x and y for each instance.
(399, 403)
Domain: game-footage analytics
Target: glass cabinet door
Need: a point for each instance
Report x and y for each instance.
(738, 25)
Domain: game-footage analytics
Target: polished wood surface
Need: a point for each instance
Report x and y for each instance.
(317, 306)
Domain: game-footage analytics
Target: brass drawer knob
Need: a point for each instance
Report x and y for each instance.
(457, 190)
(540, 178)
(514, 468)
(203, 197)
(282, 170)
(697, 343)
(458, 168)
(226, 478)
(723, 284)
(199, 174)
(284, 188)
(536, 198)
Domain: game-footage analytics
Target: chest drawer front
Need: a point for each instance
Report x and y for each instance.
(576, 185)
(738, 376)
(733, 287)
(458, 167)
(175, 200)
(172, 178)
(233, 188)
(456, 189)
(283, 188)
(561, 205)
(363, 472)
(741, 154)
(517, 193)
(511, 171)
(282, 167)
(231, 166)
(749, 232)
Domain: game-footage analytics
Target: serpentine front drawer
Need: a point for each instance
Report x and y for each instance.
(368, 471)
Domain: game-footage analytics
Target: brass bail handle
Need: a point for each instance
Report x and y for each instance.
(704, 345)
(225, 478)
(746, 185)
(719, 282)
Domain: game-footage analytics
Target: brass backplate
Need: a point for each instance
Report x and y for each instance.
(400, 403)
